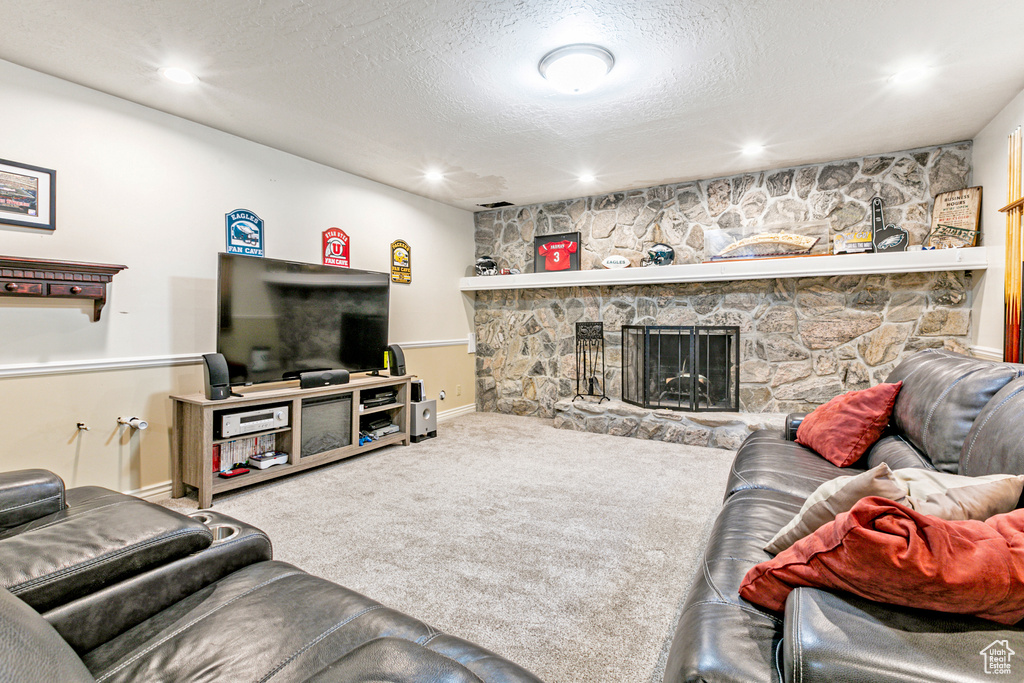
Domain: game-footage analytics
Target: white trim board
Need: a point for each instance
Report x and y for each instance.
(987, 353)
(92, 365)
(153, 492)
(972, 258)
(444, 415)
(67, 367)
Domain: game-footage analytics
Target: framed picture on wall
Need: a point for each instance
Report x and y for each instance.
(553, 253)
(28, 196)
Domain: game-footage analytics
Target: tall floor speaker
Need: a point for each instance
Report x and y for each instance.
(423, 422)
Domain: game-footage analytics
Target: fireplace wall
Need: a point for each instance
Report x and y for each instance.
(804, 340)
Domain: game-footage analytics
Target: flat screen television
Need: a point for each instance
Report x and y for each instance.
(277, 319)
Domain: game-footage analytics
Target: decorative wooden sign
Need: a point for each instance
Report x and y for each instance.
(401, 262)
(955, 219)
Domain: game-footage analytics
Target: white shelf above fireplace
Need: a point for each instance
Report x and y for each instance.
(973, 258)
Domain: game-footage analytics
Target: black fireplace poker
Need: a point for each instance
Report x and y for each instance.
(590, 361)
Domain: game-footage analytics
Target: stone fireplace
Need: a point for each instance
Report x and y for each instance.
(803, 341)
(692, 368)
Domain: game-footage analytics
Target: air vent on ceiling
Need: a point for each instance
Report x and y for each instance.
(495, 205)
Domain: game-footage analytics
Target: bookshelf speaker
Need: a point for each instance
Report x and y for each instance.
(396, 361)
(215, 371)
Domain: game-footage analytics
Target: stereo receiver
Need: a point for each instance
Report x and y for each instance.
(240, 422)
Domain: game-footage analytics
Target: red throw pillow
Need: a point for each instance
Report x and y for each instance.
(845, 427)
(884, 551)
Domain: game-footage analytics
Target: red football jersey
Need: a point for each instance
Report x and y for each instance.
(556, 254)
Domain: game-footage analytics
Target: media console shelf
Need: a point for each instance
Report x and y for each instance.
(333, 412)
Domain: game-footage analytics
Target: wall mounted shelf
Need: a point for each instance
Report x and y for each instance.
(65, 279)
(972, 258)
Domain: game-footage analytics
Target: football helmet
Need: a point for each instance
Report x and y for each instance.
(659, 255)
(485, 265)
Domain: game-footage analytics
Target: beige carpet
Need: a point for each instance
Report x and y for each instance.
(569, 553)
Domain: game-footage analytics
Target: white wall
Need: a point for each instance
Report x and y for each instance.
(990, 171)
(148, 190)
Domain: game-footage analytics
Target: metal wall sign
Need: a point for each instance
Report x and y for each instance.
(401, 262)
(244, 232)
(336, 248)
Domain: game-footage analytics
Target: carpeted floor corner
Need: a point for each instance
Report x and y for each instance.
(569, 553)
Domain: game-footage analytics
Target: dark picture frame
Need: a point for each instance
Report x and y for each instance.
(28, 195)
(551, 256)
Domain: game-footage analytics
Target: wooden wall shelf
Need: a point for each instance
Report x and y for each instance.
(65, 279)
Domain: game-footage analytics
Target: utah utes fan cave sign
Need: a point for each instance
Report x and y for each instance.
(335, 248)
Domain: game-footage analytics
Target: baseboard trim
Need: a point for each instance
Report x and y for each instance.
(153, 492)
(456, 412)
(987, 353)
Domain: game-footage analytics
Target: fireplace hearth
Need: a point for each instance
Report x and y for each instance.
(692, 368)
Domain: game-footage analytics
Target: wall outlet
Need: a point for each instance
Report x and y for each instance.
(458, 390)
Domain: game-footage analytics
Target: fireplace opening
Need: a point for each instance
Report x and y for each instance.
(692, 368)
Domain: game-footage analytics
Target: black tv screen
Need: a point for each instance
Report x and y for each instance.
(277, 319)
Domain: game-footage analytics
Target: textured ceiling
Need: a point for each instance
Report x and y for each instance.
(388, 89)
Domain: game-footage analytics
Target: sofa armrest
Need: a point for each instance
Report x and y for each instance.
(830, 637)
(793, 421)
(29, 494)
(93, 619)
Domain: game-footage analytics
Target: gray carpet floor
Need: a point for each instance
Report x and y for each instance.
(569, 553)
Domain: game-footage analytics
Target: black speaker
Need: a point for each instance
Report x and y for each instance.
(396, 361)
(215, 370)
(417, 390)
(322, 378)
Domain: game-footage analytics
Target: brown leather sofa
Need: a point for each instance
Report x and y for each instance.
(953, 413)
(100, 586)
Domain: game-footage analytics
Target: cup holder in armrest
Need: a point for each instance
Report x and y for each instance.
(222, 532)
(201, 517)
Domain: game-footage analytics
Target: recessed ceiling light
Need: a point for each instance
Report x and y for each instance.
(576, 68)
(909, 75)
(753, 148)
(178, 75)
(587, 178)
(434, 175)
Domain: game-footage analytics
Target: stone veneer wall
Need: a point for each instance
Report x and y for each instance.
(804, 340)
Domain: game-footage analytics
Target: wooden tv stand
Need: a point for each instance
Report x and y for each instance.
(195, 416)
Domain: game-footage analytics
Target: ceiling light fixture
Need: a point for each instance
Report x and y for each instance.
(587, 178)
(752, 149)
(434, 175)
(178, 75)
(909, 75)
(576, 68)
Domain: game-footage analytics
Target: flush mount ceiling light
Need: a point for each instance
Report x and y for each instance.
(178, 75)
(587, 178)
(434, 176)
(576, 68)
(753, 149)
(911, 74)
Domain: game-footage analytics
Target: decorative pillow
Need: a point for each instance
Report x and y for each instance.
(835, 496)
(845, 427)
(954, 496)
(884, 551)
(949, 496)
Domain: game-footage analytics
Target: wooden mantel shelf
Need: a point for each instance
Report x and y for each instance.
(67, 279)
(972, 258)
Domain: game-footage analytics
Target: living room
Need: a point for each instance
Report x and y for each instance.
(149, 170)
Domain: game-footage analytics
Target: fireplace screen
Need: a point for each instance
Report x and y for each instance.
(694, 368)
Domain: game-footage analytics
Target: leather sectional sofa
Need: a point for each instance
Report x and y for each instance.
(100, 586)
(953, 413)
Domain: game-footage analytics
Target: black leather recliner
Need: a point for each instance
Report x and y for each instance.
(131, 591)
